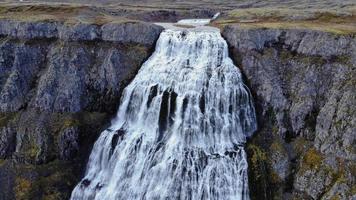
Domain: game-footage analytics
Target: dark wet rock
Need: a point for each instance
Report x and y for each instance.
(117, 137)
(7, 141)
(303, 82)
(85, 183)
(7, 180)
(68, 143)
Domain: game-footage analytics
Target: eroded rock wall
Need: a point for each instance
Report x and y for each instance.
(59, 85)
(304, 85)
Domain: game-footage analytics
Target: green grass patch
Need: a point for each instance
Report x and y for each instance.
(336, 21)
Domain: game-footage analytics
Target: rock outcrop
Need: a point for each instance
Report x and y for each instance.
(304, 85)
(59, 85)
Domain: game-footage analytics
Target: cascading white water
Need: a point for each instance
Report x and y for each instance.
(180, 129)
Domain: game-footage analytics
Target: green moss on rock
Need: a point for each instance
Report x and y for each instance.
(50, 181)
(287, 56)
(2, 162)
(339, 175)
(336, 197)
(353, 190)
(275, 130)
(311, 60)
(312, 159)
(5, 118)
(274, 178)
(33, 151)
(22, 188)
(258, 175)
(257, 156)
(300, 145)
(277, 146)
(54, 196)
(343, 59)
(271, 115)
(70, 122)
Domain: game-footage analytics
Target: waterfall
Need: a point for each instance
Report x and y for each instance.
(180, 129)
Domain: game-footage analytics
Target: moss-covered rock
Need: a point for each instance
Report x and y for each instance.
(22, 188)
(258, 176)
(312, 160)
(5, 118)
(50, 181)
(50, 154)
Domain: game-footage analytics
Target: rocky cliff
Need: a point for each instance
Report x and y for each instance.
(304, 85)
(59, 85)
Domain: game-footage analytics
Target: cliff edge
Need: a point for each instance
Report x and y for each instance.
(59, 85)
(303, 82)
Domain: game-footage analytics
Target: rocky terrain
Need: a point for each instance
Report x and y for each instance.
(60, 85)
(304, 86)
(61, 77)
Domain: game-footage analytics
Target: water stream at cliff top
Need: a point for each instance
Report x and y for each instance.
(180, 129)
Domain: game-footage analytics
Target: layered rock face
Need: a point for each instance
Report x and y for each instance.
(304, 83)
(59, 85)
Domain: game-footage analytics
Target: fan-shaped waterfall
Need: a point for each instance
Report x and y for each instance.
(180, 129)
